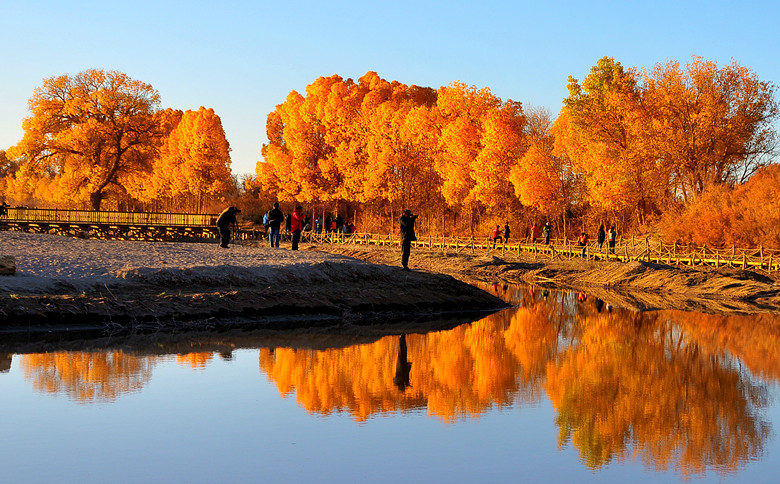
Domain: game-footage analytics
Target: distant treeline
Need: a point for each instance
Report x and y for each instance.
(684, 151)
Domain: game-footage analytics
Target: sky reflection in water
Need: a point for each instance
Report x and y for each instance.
(563, 388)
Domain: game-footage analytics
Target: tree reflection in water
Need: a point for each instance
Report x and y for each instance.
(677, 390)
(635, 388)
(669, 388)
(88, 376)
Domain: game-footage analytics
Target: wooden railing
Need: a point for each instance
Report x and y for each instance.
(626, 249)
(79, 217)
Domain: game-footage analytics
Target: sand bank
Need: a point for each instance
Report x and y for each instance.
(76, 283)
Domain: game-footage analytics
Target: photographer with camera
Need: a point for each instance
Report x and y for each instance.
(407, 236)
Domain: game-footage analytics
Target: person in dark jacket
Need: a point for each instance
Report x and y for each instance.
(407, 236)
(225, 219)
(275, 219)
(601, 237)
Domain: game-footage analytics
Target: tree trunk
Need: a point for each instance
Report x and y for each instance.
(95, 199)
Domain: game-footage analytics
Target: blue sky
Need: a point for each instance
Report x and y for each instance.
(243, 58)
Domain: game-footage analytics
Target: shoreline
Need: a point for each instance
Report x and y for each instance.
(63, 283)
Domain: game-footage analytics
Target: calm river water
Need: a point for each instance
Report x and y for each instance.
(561, 388)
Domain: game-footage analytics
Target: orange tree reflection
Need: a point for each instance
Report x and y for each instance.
(195, 360)
(453, 374)
(87, 377)
(670, 388)
(638, 387)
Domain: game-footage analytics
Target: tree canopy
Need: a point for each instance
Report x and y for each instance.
(89, 132)
(100, 134)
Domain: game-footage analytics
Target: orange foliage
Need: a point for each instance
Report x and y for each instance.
(194, 161)
(711, 125)
(86, 135)
(541, 179)
(605, 124)
(381, 141)
(98, 137)
(747, 216)
(629, 142)
(642, 141)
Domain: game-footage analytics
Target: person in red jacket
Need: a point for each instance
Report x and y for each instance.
(298, 218)
(497, 235)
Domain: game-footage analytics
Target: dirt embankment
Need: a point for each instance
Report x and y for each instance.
(291, 304)
(638, 285)
(81, 284)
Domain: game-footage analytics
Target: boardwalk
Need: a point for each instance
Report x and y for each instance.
(110, 224)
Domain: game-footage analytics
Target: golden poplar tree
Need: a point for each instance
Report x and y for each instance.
(89, 132)
(712, 124)
(605, 136)
(194, 161)
(541, 179)
(481, 139)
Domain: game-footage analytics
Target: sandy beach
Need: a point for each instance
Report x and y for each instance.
(72, 282)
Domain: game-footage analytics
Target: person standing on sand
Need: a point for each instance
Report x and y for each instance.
(225, 219)
(296, 225)
(407, 236)
(506, 233)
(275, 219)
